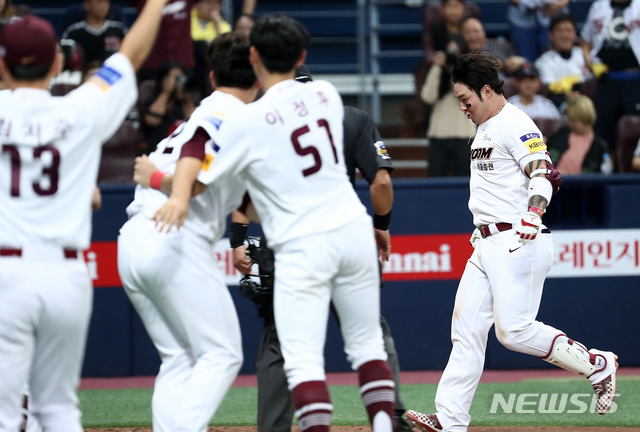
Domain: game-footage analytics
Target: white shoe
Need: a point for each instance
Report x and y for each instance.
(423, 422)
(603, 379)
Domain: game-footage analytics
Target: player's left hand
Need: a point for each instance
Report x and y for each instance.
(142, 170)
(173, 212)
(241, 261)
(528, 227)
(383, 239)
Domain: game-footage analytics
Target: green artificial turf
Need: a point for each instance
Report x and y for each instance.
(131, 407)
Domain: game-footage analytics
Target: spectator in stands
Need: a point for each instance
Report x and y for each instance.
(562, 68)
(207, 21)
(611, 35)
(576, 148)
(530, 20)
(449, 131)
(98, 36)
(174, 41)
(243, 24)
(528, 100)
(71, 67)
(635, 162)
(169, 103)
(476, 38)
(206, 24)
(446, 35)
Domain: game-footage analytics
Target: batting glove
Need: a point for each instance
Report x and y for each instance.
(528, 227)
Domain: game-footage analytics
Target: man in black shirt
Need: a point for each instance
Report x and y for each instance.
(98, 36)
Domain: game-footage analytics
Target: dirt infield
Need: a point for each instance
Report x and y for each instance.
(366, 428)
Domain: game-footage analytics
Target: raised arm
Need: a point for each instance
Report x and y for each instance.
(137, 44)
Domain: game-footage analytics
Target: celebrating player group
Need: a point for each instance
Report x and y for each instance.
(280, 159)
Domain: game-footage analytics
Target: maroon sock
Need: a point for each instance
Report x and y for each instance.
(377, 388)
(313, 406)
(25, 413)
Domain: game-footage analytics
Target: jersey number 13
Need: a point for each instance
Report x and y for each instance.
(52, 171)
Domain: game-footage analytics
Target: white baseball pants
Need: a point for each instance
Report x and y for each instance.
(45, 306)
(311, 271)
(497, 287)
(174, 284)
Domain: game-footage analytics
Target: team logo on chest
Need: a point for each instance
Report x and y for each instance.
(481, 153)
(481, 156)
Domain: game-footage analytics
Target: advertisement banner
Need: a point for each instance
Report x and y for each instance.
(588, 253)
(579, 253)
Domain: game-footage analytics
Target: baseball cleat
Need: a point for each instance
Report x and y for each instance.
(400, 424)
(423, 422)
(603, 379)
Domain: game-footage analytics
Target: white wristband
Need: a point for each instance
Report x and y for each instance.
(539, 171)
(540, 186)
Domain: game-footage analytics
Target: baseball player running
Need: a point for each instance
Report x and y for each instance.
(291, 157)
(513, 252)
(169, 277)
(49, 158)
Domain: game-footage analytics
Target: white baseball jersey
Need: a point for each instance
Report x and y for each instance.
(553, 67)
(50, 154)
(297, 126)
(501, 149)
(541, 107)
(208, 210)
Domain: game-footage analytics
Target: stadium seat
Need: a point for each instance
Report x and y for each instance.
(118, 155)
(588, 88)
(548, 126)
(627, 136)
(510, 87)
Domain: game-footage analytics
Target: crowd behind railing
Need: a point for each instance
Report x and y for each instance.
(580, 86)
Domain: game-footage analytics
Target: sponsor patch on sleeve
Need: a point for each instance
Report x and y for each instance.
(382, 150)
(215, 118)
(206, 162)
(215, 121)
(105, 77)
(533, 141)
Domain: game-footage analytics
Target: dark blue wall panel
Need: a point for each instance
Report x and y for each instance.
(599, 312)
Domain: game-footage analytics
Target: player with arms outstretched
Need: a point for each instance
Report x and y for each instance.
(288, 147)
(511, 185)
(170, 277)
(49, 157)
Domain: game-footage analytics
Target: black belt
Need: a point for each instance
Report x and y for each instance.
(485, 231)
(17, 252)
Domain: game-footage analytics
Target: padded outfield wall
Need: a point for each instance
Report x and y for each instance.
(592, 293)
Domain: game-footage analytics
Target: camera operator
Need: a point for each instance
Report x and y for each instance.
(171, 101)
(449, 130)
